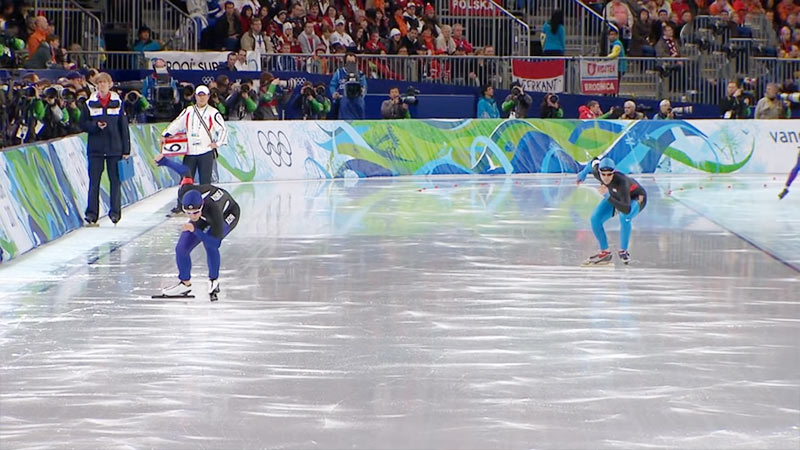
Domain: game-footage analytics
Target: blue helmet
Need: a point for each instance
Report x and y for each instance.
(192, 199)
(606, 164)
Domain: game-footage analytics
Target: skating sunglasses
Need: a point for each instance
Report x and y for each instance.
(606, 172)
(192, 212)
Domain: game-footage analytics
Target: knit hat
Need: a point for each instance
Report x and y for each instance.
(394, 32)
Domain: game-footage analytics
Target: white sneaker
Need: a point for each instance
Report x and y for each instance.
(177, 290)
(213, 287)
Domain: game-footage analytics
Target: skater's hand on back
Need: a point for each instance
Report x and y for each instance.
(188, 227)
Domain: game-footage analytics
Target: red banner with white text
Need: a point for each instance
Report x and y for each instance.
(539, 76)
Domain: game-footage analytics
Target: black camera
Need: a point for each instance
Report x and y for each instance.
(410, 97)
(320, 89)
(307, 90)
(188, 91)
(68, 95)
(516, 91)
(28, 92)
(352, 84)
(132, 97)
(553, 98)
(51, 93)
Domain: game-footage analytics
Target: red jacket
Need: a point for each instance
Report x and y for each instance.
(585, 113)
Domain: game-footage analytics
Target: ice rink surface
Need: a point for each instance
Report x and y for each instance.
(417, 313)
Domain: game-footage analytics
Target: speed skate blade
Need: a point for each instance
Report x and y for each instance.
(173, 296)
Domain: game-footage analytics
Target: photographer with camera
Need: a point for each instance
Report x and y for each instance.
(313, 103)
(161, 91)
(664, 111)
(74, 104)
(771, 106)
(273, 95)
(136, 106)
(241, 104)
(108, 142)
(26, 113)
(550, 107)
(734, 105)
(394, 107)
(348, 87)
(187, 95)
(517, 102)
(631, 112)
(55, 121)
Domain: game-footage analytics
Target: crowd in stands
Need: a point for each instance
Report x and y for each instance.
(642, 23)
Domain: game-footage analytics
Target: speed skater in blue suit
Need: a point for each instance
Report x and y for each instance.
(621, 195)
(792, 176)
(213, 214)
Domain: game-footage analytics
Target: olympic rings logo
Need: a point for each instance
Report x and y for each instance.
(276, 146)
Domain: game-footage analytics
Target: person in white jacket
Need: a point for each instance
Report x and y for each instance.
(205, 132)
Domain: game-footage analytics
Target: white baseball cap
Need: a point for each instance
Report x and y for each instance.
(201, 90)
(394, 32)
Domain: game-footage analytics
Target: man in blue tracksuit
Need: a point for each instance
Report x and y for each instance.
(109, 141)
(348, 87)
(621, 194)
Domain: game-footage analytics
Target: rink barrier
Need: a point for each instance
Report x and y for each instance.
(43, 189)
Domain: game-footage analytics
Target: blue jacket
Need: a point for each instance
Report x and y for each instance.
(487, 108)
(114, 139)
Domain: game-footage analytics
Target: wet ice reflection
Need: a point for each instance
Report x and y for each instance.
(414, 314)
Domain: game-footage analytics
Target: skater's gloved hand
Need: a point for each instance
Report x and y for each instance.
(188, 227)
(603, 189)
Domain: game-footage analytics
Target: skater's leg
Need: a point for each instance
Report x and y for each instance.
(625, 225)
(213, 258)
(793, 173)
(186, 243)
(601, 214)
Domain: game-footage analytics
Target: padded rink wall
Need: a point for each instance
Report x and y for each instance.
(43, 187)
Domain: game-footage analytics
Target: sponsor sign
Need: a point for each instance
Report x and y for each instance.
(599, 77)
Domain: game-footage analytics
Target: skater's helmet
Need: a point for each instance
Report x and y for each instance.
(192, 200)
(606, 164)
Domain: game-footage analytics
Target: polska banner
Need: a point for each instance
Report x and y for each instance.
(599, 77)
(200, 60)
(473, 8)
(539, 76)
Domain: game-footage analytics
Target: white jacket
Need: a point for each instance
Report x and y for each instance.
(188, 122)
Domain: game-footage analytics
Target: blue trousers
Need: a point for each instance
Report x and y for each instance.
(183, 255)
(603, 212)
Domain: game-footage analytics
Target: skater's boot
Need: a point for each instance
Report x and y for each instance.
(177, 290)
(213, 290)
(783, 193)
(175, 212)
(624, 256)
(600, 259)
